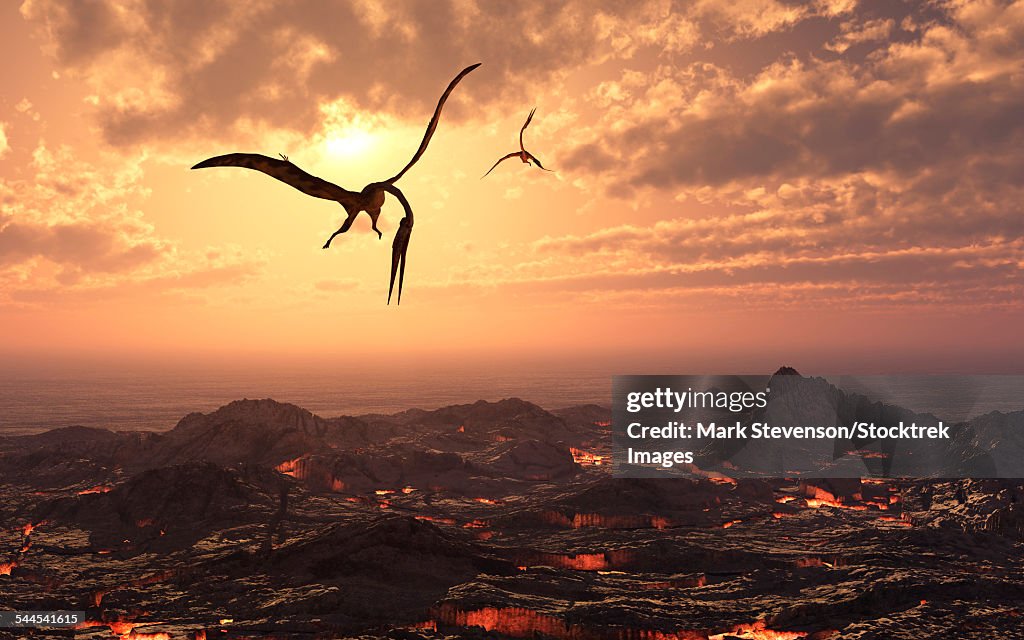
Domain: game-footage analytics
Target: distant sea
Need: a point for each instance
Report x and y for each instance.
(31, 402)
(157, 400)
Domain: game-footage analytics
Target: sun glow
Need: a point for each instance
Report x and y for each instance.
(348, 142)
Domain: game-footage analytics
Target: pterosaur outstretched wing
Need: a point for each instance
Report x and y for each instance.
(286, 172)
(432, 125)
(514, 154)
(526, 124)
(536, 161)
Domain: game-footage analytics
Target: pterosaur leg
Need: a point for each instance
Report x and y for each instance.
(327, 245)
(373, 217)
(345, 226)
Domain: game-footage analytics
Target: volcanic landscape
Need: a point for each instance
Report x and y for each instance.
(489, 520)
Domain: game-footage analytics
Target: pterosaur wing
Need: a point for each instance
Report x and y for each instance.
(284, 171)
(526, 124)
(514, 154)
(432, 125)
(536, 161)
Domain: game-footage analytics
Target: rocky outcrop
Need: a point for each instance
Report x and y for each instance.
(494, 519)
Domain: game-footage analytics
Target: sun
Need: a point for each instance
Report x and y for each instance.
(348, 141)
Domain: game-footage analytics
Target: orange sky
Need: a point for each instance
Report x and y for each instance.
(739, 184)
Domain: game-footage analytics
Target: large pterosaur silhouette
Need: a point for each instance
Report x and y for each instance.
(370, 199)
(522, 154)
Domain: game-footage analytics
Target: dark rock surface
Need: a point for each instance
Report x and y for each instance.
(262, 520)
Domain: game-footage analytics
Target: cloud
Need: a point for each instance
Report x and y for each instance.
(831, 152)
(162, 70)
(83, 246)
(334, 285)
(72, 228)
(888, 176)
(26, 108)
(751, 18)
(72, 214)
(856, 240)
(952, 95)
(513, 193)
(4, 147)
(854, 34)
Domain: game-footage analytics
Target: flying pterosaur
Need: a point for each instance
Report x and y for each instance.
(522, 154)
(370, 199)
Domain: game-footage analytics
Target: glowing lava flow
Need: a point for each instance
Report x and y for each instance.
(26, 544)
(658, 522)
(585, 561)
(525, 623)
(581, 520)
(586, 458)
(758, 631)
(125, 629)
(720, 479)
(292, 467)
(7, 567)
(679, 583)
(430, 625)
(521, 622)
(867, 453)
(306, 470)
(100, 488)
(813, 561)
(900, 522)
(823, 498)
(448, 521)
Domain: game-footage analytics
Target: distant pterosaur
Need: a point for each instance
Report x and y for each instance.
(522, 154)
(370, 199)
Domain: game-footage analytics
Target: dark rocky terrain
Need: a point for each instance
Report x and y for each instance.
(262, 520)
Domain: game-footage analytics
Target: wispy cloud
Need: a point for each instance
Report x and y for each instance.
(718, 156)
(73, 227)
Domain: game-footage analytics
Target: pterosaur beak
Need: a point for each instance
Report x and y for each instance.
(399, 248)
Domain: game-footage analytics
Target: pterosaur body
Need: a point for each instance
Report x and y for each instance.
(370, 199)
(522, 154)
